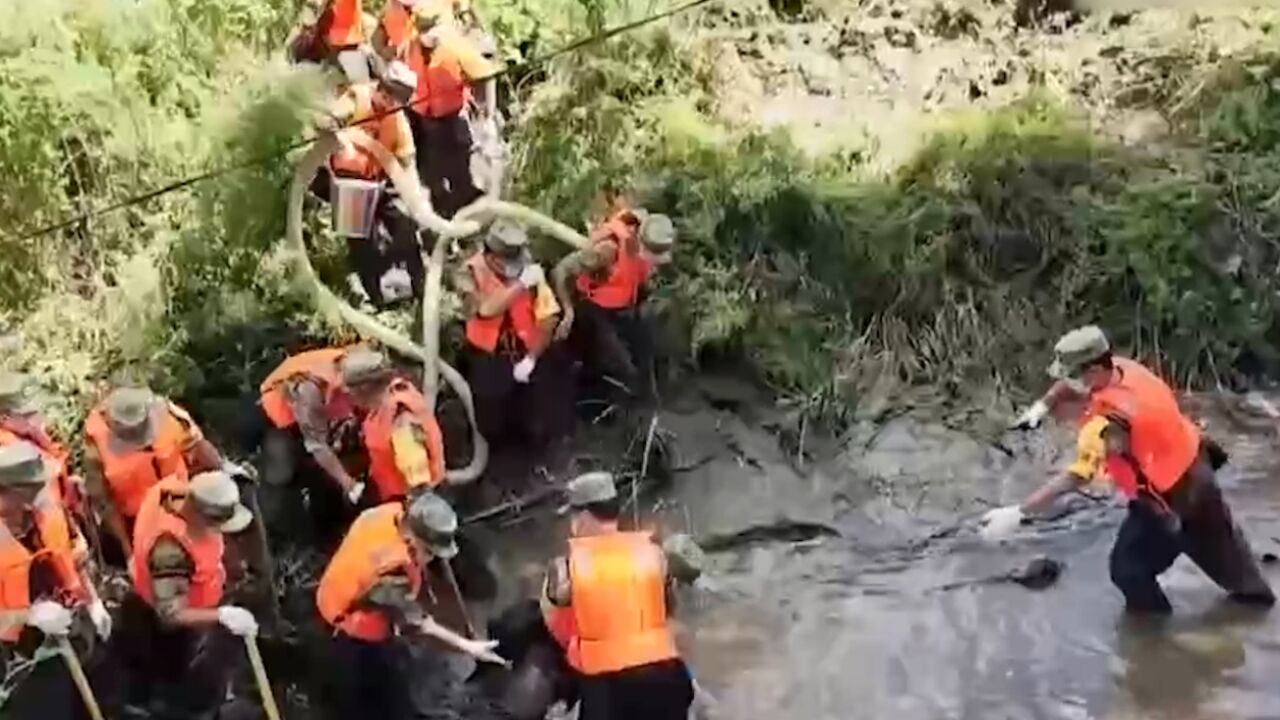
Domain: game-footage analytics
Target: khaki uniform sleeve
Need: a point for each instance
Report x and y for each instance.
(95, 481)
(307, 403)
(171, 571)
(557, 588)
(392, 594)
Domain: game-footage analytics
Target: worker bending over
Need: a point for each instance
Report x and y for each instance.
(451, 69)
(402, 438)
(43, 586)
(519, 380)
(369, 597)
(308, 404)
(1133, 430)
(603, 308)
(178, 640)
(606, 603)
(135, 439)
(22, 421)
(374, 111)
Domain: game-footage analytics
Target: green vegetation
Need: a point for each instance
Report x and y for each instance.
(842, 285)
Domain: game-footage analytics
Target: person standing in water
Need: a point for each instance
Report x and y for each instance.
(1133, 430)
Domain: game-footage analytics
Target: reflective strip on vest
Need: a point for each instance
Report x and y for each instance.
(56, 545)
(319, 365)
(1162, 440)
(442, 86)
(155, 521)
(377, 429)
(132, 473)
(372, 548)
(619, 603)
(343, 19)
(620, 286)
(484, 333)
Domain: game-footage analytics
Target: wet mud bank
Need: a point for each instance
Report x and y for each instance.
(846, 578)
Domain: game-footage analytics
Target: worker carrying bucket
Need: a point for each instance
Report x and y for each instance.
(380, 232)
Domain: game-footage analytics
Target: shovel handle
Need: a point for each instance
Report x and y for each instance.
(69, 657)
(260, 674)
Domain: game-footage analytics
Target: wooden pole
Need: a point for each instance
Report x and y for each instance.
(77, 674)
(260, 674)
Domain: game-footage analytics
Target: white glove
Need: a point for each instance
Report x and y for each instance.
(523, 369)
(1000, 523)
(101, 618)
(483, 650)
(236, 470)
(532, 275)
(1032, 418)
(49, 618)
(237, 621)
(353, 495)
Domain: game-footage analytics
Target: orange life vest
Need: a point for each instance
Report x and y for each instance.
(357, 162)
(130, 474)
(401, 396)
(442, 85)
(484, 332)
(372, 549)
(342, 24)
(56, 544)
(620, 286)
(397, 25)
(155, 520)
(1163, 443)
(619, 603)
(319, 365)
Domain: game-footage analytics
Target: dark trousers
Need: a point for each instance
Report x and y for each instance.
(444, 161)
(180, 673)
(1150, 541)
(369, 680)
(535, 413)
(372, 256)
(658, 691)
(45, 693)
(617, 344)
(300, 504)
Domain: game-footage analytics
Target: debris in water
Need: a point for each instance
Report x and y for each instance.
(790, 531)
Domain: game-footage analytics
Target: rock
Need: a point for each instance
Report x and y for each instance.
(1038, 574)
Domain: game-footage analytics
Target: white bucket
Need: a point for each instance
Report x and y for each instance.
(354, 202)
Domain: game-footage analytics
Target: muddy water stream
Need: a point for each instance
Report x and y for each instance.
(904, 616)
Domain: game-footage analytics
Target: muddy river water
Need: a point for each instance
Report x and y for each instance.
(903, 615)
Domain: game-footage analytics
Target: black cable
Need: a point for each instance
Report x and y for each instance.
(263, 159)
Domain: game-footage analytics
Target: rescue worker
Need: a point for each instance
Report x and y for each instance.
(369, 597)
(178, 640)
(332, 33)
(373, 110)
(43, 585)
(1133, 430)
(606, 604)
(308, 404)
(604, 313)
(402, 438)
(135, 439)
(451, 69)
(21, 420)
(518, 378)
(396, 29)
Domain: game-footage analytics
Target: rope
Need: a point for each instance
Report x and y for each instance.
(597, 38)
